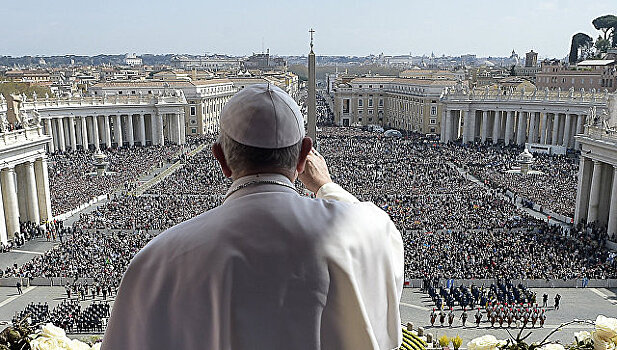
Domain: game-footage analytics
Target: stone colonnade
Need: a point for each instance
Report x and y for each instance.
(512, 127)
(25, 196)
(96, 132)
(597, 193)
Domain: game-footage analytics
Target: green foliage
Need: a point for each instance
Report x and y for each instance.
(602, 45)
(10, 87)
(578, 40)
(606, 24)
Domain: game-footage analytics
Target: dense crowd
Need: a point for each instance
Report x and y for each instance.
(71, 178)
(452, 227)
(553, 188)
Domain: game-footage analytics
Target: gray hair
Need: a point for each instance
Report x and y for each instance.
(240, 157)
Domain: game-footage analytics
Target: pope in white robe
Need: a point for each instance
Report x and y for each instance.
(268, 269)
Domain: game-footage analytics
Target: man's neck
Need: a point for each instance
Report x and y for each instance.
(285, 172)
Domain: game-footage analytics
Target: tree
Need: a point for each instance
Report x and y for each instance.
(606, 24)
(601, 44)
(578, 40)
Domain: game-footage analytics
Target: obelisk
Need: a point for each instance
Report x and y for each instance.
(311, 101)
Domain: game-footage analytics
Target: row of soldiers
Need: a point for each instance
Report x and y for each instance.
(518, 316)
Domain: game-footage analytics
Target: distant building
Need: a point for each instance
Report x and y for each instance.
(212, 63)
(531, 59)
(205, 98)
(265, 62)
(403, 103)
(588, 74)
(132, 60)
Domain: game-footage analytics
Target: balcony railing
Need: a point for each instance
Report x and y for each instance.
(20, 135)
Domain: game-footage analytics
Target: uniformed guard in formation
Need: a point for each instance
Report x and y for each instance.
(502, 304)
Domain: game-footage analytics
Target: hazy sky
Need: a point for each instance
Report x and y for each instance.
(343, 27)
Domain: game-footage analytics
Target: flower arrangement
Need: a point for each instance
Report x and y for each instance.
(54, 338)
(603, 337)
(457, 342)
(444, 341)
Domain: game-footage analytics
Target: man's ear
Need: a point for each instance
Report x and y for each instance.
(307, 145)
(217, 151)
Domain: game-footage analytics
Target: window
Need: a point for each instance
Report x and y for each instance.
(193, 131)
(360, 103)
(370, 102)
(360, 119)
(381, 102)
(370, 111)
(433, 121)
(193, 110)
(433, 110)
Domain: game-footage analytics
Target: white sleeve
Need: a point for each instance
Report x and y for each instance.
(335, 192)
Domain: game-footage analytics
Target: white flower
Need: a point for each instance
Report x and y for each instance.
(44, 343)
(487, 342)
(96, 346)
(78, 345)
(51, 331)
(606, 328)
(582, 336)
(601, 344)
(553, 347)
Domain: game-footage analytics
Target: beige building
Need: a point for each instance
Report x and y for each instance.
(205, 98)
(403, 103)
(589, 74)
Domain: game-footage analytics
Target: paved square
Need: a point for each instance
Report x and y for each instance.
(576, 303)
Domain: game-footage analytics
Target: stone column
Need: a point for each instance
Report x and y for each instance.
(580, 126)
(95, 132)
(521, 130)
(72, 133)
(484, 133)
(118, 130)
(31, 193)
(3, 237)
(594, 197)
(9, 197)
(42, 189)
(566, 132)
(182, 127)
(612, 213)
(509, 127)
(142, 130)
(496, 126)
(84, 133)
(466, 118)
(61, 144)
(584, 185)
(159, 129)
(449, 126)
(129, 129)
(442, 137)
(544, 126)
(555, 129)
(22, 199)
(107, 131)
(50, 146)
(533, 127)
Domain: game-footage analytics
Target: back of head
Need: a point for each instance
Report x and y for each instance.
(261, 128)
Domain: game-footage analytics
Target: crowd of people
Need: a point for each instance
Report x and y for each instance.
(72, 178)
(452, 227)
(554, 187)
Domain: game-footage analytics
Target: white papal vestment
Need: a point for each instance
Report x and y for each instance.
(268, 269)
